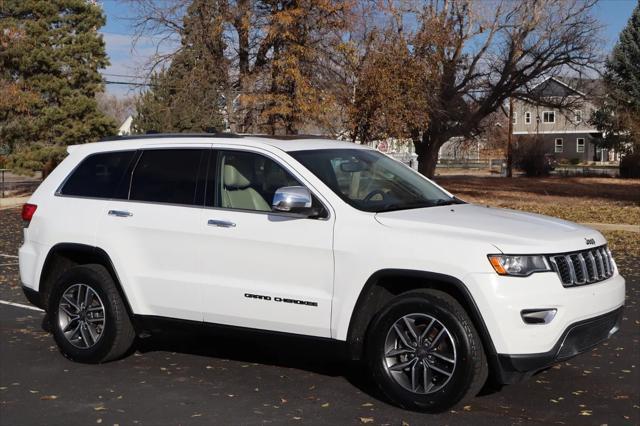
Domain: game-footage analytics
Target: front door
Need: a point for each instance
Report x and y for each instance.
(263, 270)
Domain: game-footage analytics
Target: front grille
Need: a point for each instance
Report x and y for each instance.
(583, 267)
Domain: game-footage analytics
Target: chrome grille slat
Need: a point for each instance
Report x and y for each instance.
(600, 265)
(605, 258)
(572, 270)
(592, 260)
(583, 267)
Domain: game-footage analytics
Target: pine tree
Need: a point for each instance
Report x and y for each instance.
(50, 56)
(623, 67)
(186, 97)
(618, 117)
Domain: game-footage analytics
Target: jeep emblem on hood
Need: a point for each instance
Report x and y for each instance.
(590, 241)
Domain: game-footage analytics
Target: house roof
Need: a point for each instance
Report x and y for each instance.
(570, 86)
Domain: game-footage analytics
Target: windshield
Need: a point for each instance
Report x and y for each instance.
(371, 181)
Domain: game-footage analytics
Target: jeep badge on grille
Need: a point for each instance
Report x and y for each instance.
(590, 241)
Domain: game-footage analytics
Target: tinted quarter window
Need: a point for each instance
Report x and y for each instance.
(98, 175)
(168, 176)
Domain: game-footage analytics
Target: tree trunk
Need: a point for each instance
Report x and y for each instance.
(428, 148)
(427, 162)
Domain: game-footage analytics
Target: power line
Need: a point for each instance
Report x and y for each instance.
(129, 83)
(124, 76)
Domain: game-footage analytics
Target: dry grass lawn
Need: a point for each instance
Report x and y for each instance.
(601, 200)
(595, 200)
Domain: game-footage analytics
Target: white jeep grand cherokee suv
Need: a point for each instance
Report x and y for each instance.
(317, 238)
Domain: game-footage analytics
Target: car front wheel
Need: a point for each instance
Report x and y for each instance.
(424, 352)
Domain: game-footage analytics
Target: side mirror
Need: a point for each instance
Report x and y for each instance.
(292, 199)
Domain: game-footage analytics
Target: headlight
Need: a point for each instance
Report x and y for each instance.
(518, 266)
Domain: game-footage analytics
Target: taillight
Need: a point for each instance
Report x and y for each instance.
(27, 212)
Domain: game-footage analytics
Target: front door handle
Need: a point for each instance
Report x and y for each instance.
(119, 213)
(221, 223)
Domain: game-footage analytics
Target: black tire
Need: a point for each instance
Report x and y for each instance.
(117, 332)
(468, 374)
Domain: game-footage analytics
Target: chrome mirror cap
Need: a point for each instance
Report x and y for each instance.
(291, 199)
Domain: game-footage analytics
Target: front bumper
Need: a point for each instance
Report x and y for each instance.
(501, 300)
(577, 338)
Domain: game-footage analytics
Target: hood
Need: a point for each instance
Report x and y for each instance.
(510, 231)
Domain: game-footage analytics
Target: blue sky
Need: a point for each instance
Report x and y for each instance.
(127, 60)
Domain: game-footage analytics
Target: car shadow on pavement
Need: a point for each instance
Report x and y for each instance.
(319, 356)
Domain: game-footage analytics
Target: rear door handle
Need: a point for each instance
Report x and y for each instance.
(221, 223)
(119, 213)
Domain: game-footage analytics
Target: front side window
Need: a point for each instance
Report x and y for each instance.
(515, 118)
(559, 145)
(527, 117)
(248, 181)
(578, 116)
(168, 176)
(99, 175)
(580, 145)
(371, 181)
(548, 117)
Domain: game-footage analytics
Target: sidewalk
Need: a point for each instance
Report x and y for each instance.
(613, 227)
(12, 202)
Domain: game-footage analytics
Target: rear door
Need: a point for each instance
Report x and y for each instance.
(154, 235)
(263, 269)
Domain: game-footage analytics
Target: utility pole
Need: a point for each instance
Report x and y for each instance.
(509, 171)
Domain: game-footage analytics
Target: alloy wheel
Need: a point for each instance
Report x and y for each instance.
(420, 353)
(81, 316)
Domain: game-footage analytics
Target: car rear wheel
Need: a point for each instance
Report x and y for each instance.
(88, 317)
(424, 352)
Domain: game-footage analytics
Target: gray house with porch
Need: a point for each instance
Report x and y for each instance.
(565, 133)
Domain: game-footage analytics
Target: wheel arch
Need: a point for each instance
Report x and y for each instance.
(388, 283)
(63, 256)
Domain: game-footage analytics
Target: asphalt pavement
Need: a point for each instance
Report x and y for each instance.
(206, 378)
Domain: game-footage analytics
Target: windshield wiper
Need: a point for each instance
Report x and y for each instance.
(419, 204)
(405, 206)
(446, 202)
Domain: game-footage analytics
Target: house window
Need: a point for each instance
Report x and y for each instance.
(559, 145)
(580, 145)
(515, 118)
(578, 117)
(548, 117)
(527, 117)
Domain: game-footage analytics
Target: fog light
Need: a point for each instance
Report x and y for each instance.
(538, 316)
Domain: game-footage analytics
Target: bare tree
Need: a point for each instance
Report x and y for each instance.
(489, 57)
(118, 108)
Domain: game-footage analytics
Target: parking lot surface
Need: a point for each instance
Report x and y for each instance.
(202, 377)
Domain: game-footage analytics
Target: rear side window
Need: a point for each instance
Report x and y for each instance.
(168, 176)
(98, 175)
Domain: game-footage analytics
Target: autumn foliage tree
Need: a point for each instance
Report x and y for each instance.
(274, 56)
(426, 71)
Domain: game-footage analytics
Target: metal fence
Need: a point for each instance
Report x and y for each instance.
(9, 188)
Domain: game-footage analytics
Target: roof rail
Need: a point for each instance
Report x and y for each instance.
(285, 137)
(171, 135)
